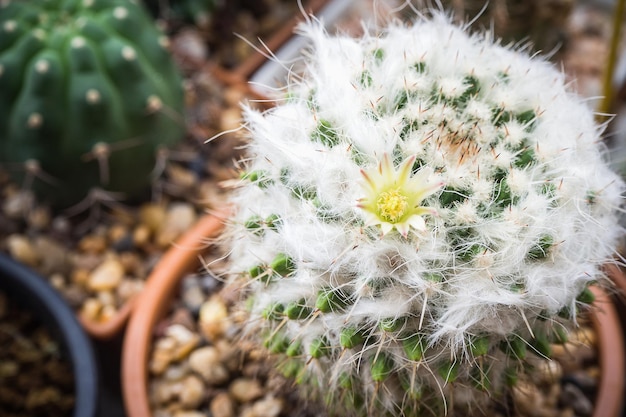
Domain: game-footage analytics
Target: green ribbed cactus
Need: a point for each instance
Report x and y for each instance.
(420, 219)
(88, 92)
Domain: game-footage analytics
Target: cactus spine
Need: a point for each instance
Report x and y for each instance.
(419, 218)
(88, 91)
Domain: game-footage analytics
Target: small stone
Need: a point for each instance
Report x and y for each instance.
(161, 392)
(230, 355)
(191, 393)
(8, 368)
(268, 407)
(39, 218)
(222, 405)
(22, 250)
(176, 372)
(179, 218)
(233, 96)
(213, 318)
(549, 372)
(183, 317)
(18, 203)
(587, 382)
(91, 309)
(192, 294)
(116, 233)
(185, 339)
(162, 355)
(94, 244)
(187, 413)
(576, 399)
(132, 264)
(107, 276)
(54, 256)
(107, 298)
(527, 398)
(245, 389)
(75, 296)
(128, 288)
(230, 119)
(57, 281)
(80, 277)
(141, 235)
(205, 361)
(180, 177)
(152, 216)
(107, 313)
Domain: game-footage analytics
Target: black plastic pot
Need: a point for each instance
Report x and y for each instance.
(33, 292)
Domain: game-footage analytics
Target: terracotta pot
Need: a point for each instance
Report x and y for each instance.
(184, 256)
(153, 303)
(29, 290)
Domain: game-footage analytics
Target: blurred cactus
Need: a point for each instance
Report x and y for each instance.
(88, 93)
(420, 219)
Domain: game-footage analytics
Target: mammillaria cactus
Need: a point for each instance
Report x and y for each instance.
(88, 92)
(421, 216)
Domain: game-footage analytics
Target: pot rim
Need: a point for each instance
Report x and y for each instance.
(36, 293)
(152, 303)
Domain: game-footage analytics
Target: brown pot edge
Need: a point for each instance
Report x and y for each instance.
(182, 257)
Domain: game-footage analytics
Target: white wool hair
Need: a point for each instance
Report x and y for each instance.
(495, 277)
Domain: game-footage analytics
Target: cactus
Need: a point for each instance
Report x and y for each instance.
(420, 219)
(88, 92)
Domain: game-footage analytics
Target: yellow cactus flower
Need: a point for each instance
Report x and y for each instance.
(393, 197)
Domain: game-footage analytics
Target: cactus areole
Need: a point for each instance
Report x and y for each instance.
(420, 218)
(88, 92)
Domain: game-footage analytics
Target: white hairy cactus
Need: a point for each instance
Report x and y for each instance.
(423, 209)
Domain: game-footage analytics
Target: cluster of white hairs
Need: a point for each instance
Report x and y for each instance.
(423, 208)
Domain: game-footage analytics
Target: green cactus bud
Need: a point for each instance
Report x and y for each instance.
(413, 346)
(274, 311)
(479, 345)
(86, 85)
(510, 376)
(559, 334)
(283, 265)
(586, 296)
(515, 347)
(350, 337)
(278, 344)
(294, 348)
(541, 343)
(325, 134)
(449, 371)
(541, 248)
(479, 377)
(298, 310)
(260, 178)
(273, 222)
(319, 347)
(381, 367)
(331, 299)
(391, 324)
(254, 224)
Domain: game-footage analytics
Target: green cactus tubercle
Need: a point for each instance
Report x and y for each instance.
(85, 83)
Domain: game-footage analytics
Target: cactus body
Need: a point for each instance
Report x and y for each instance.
(76, 75)
(420, 218)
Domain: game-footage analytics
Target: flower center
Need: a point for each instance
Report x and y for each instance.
(391, 205)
